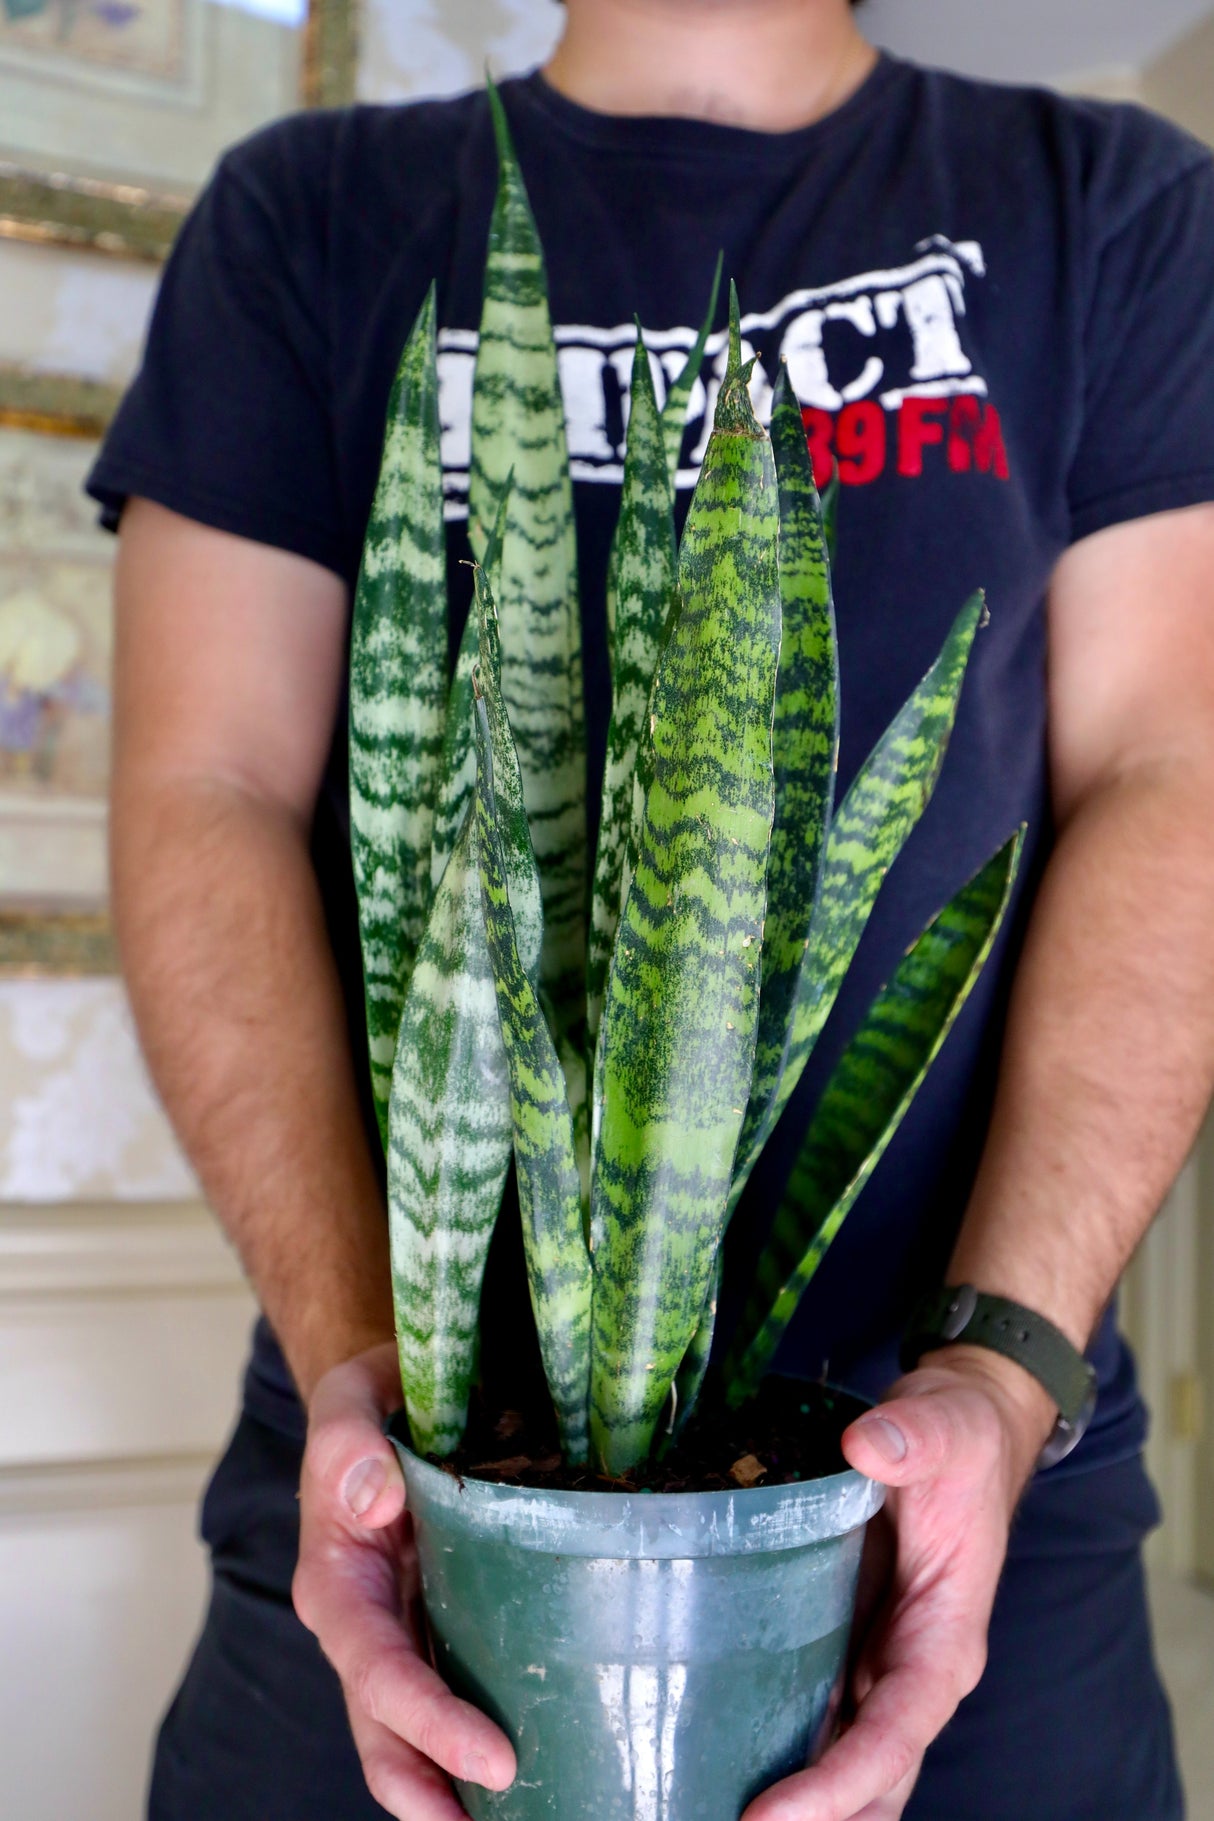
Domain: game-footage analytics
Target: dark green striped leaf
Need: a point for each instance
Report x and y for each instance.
(805, 744)
(868, 832)
(640, 593)
(689, 1380)
(830, 515)
(518, 423)
(805, 748)
(457, 769)
(449, 1151)
(458, 764)
(674, 411)
(514, 835)
(550, 1196)
(398, 688)
(682, 999)
(864, 1103)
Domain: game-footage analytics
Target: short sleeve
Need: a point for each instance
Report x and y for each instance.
(229, 420)
(1147, 442)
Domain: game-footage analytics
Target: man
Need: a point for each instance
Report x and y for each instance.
(996, 309)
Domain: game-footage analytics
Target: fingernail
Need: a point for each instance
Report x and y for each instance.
(363, 1486)
(476, 1769)
(886, 1438)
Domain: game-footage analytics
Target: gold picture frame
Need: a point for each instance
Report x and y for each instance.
(64, 208)
(58, 404)
(37, 945)
(50, 940)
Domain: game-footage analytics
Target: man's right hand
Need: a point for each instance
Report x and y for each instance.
(356, 1587)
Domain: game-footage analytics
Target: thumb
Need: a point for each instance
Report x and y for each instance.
(903, 1442)
(349, 1459)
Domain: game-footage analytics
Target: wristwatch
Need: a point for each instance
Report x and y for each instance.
(958, 1312)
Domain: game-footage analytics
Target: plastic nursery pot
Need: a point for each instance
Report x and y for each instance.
(652, 1656)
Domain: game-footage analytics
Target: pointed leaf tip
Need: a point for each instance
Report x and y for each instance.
(674, 411)
(735, 412)
(735, 333)
(501, 126)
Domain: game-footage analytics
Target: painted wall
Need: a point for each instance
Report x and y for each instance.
(1180, 84)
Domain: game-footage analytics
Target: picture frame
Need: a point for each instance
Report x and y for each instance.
(59, 203)
(54, 561)
(49, 945)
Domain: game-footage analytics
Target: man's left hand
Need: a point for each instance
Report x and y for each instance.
(956, 1442)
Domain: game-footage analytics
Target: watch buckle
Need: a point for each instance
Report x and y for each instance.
(959, 1313)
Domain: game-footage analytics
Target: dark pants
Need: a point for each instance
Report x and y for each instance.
(1068, 1724)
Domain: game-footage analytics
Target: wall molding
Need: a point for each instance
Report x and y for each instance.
(112, 1485)
(53, 850)
(107, 1248)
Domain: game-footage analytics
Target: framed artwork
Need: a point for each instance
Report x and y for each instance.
(113, 112)
(55, 647)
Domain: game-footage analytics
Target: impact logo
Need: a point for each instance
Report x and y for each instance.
(879, 363)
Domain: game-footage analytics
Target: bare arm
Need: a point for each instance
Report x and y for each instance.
(1107, 1067)
(228, 671)
(228, 668)
(1109, 1058)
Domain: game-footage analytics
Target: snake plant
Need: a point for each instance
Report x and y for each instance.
(628, 1029)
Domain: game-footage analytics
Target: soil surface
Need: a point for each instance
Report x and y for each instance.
(789, 1432)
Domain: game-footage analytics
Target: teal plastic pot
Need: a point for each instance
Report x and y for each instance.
(653, 1657)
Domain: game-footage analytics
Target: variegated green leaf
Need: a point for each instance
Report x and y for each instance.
(689, 1381)
(830, 515)
(805, 748)
(518, 423)
(641, 584)
(550, 1197)
(458, 763)
(522, 879)
(863, 1105)
(398, 687)
(448, 1154)
(674, 411)
(457, 769)
(682, 999)
(869, 830)
(805, 744)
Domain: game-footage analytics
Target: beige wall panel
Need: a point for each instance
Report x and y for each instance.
(86, 1378)
(97, 1605)
(121, 1334)
(1181, 84)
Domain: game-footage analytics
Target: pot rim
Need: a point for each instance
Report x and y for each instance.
(630, 1525)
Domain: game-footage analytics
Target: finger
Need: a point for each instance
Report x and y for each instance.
(877, 1564)
(912, 1439)
(349, 1458)
(387, 1681)
(409, 1786)
(875, 1758)
(889, 1808)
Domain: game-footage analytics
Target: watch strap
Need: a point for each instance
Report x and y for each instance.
(960, 1313)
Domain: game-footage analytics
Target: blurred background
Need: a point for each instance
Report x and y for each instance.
(123, 1316)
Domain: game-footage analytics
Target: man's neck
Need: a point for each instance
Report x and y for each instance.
(770, 65)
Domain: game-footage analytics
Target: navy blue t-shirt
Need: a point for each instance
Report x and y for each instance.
(997, 307)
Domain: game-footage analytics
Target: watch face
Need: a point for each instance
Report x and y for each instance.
(1067, 1435)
